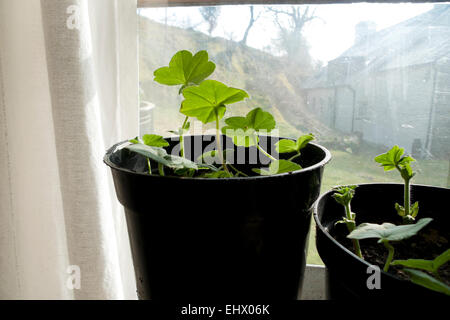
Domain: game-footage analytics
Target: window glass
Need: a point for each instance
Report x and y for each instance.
(361, 77)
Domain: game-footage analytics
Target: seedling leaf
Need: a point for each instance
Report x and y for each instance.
(427, 281)
(154, 140)
(304, 140)
(185, 69)
(209, 100)
(426, 265)
(344, 194)
(244, 130)
(441, 259)
(213, 156)
(160, 155)
(260, 120)
(279, 166)
(388, 231)
(286, 146)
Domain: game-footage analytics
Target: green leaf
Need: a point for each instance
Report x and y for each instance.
(185, 172)
(135, 140)
(427, 281)
(304, 140)
(344, 194)
(154, 140)
(155, 153)
(286, 146)
(260, 120)
(185, 69)
(279, 166)
(241, 137)
(388, 231)
(400, 210)
(243, 130)
(213, 156)
(237, 122)
(394, 159)
(426, 265)
(441, 259)
(160, 155)
(208, 99)
(414, 210)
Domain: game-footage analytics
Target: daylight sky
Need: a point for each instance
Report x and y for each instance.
(328, 36)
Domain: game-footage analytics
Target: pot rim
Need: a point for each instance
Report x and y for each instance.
(328, 235)
(122, 144)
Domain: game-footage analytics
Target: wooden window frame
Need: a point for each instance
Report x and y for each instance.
(189, 3)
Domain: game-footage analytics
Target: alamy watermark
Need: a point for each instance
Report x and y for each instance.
(73, 21)
(74, 279)
(374, 280)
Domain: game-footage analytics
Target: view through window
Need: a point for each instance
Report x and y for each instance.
(361, 77)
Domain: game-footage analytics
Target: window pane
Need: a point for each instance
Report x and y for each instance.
(361, 77)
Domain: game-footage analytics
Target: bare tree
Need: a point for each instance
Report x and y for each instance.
(250, 24)
(211, 16)
(291, 23)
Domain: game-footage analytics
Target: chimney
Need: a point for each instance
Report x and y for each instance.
(364, 30)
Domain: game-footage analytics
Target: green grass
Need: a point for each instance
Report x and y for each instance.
(347, 168)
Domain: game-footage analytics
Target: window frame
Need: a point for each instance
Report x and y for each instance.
(188, 3)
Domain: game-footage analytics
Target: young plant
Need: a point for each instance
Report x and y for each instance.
(344, 195)
(394, 159)
(207, 101)
(431, 266)
(289, 146)
(185, 70)
(387, 232)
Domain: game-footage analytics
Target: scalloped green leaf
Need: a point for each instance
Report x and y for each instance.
(287, 145)
(185, 69)
(258, 120)
(393, 158)
(209, 100)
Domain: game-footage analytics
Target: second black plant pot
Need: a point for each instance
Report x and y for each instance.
(215, 239)
(347, 274)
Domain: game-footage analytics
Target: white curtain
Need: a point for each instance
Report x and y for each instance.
(68, 91)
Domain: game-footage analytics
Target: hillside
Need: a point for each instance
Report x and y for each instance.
(270, 84)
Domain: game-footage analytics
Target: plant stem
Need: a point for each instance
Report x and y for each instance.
(265, 153)
(149, 167)
(161, 169)
(390, 255)
(407, 200)
(294, 156)
(219, 145)
(351, 227)
(182, 138)
(238, 172)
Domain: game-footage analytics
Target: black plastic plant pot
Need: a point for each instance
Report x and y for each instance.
(215, 239)
(348, 276)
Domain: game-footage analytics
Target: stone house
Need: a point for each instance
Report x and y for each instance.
(392, 86)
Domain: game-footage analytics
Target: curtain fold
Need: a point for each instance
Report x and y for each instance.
(68, 91)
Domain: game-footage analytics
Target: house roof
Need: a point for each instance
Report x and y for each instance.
(419, 40)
